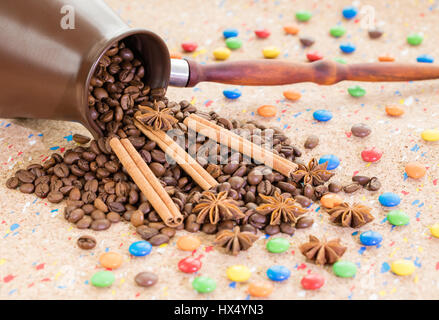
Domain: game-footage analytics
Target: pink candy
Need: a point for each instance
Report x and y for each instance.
(312, 281)
(371, 155)
(189, 46)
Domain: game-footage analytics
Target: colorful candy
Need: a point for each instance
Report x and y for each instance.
(111, 260)
(190, 264)
(278, 245)
(292, 95)
(204, 284)
(425, 58)
(394, 111)
(260, 289)
(398, 218)
(221, 53)
(371, 155)
(291, 29)
(344, 269)
(303, 15)
(102, 279)
(189, 46)
(314, 56)
(267, 111)
(238, 273)
(330, 200)
(340, 60)
(389, 199)
(371, 238)
(434, 229)
(349, 12)
(322, 115)
(270, 52)
(233, 43)
(278, 273)
(262, 33)
(430, 135)
(230, 32)
(337, 31)
(415, 39)
(312, 281)
(332, 160)
(402, 267)
(232, 93)
(361, 130)
(415, 170)
(140, 248)
(356, 91)
(386, 58)
(188, 243)
(347, 47)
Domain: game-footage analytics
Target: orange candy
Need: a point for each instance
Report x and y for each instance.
(188, 243)
(290, 29)
(292, 95)
(330, 200)
(267, 111)
(111, 260)
(260, 288)
(394, 111)
(415, 170)
(176, 55)
(386, 59)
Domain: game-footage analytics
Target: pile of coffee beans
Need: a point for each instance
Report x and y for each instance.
(99, 192)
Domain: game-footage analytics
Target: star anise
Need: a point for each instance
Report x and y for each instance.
(322, 252)
(216, 207)
(353, 216)
(315, 173)
(282, 209)
(158, 119)
(235, 241)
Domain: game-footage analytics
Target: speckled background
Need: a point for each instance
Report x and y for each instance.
(39, 258)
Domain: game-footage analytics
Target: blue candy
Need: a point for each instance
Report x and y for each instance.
(232, 93)
(425, 58)
(371, 238)
(389, 199)
(347, 47)
(230, 32)
(333, 161)
(278, 273)
(140, 248)
(322, 115)
(349, 12)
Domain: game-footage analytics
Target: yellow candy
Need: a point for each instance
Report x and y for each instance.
(270, 52)
(402, 267)
(434, 229)
(430, 135)
(238, 273)
(221, 53)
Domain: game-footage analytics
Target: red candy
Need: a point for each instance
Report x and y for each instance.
(314, 56)
(312, 281)
(189, 46)
(190, 264)
(371, 155)
(262, 33)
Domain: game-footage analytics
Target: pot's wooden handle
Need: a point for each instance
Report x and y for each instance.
(269, 72)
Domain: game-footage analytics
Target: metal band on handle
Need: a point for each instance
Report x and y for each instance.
(179, 73)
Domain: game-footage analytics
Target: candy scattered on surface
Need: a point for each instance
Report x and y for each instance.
(371, 238)
(232, 93)
(402, 267)
(238, 273)
(371, 155)
(394, 110)
(415, 170)
(260, 289)
(332, 160)
(356, 91)
(233, 43)
(291, 29)
(314, 56)
(267, 111)
(434, 229)
(222, 53)
(146, 279)
(344, 269)
(389, 199)
(270, 52)
(292, 95)
(340, 60)
(425, 58)
(312, 281)
(204, 284)
(189, 46)
(347, 47)
(140, 248)
(111, 260)
(278, 245)
(375, 33)
(349, 12)
(430, 135)
(322, 115)
(190, 264)
(303, 15)
(330, 200)
(361, 130)
(415, 39)
(278, 273)
(102, 279)
(262, 33)
(307, 41)
(386, 59)
(337, 31)
(230, 32)
(398, 218)
(188, 243)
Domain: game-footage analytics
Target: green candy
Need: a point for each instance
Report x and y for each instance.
(278, 245)
(356, 91)
(204, 284)
(233, 43)
(398, 218)
(303, 15)
(340, 60)
(337, 31)
(102, 279)
(344, 269)
(415, 39)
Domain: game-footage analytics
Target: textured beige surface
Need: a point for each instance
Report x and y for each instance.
(39, 258)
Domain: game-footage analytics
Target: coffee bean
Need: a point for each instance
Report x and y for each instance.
(27, 188)
(352, 187)
(25, 176)
(75, 215)
(190, 224)
(287, 228)
(287, 187)
(84, 223)
(81, 139)
(311, 141)
(99, 225)
(116, 207)
(158, 169)
(12, 183)
(362, 180)
(71, 157)
(209, 228)
(75, 194)
(55, 196)
(170, 232)
(236, 182)
(272, 229)
(61, 170)
(334, 187)
(304, 222)
(42, 190)
(258, 220)
(113, 217)
(97, 215)
(146, 279)
(304, 201)
(158, 239)
(146, 232)
(361, 130)
(137, 218)
(86, 242)
(374, 184)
